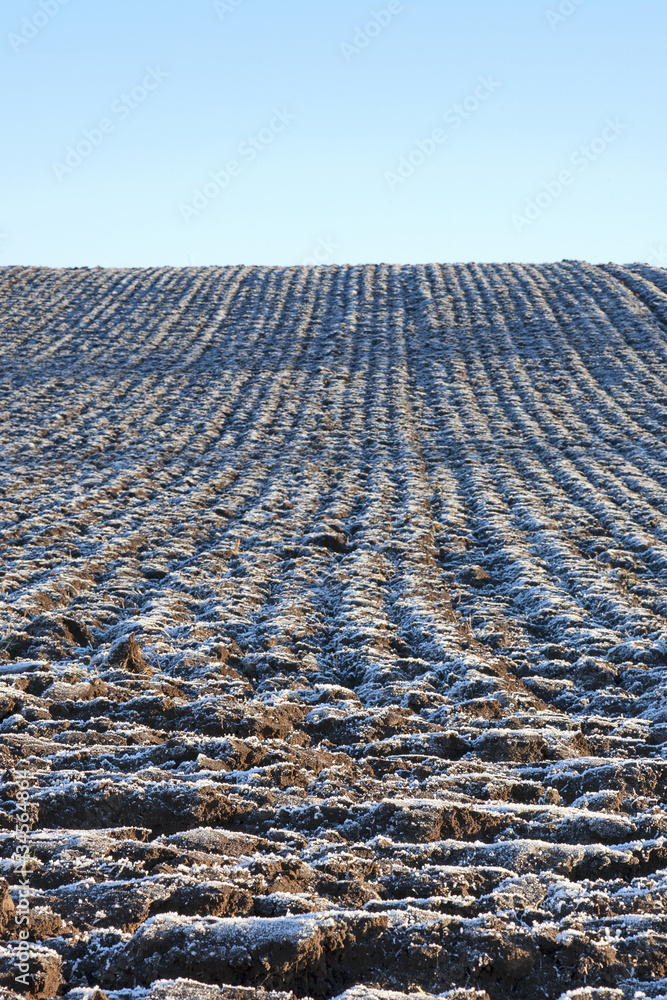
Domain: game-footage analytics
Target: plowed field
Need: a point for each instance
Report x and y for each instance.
(334, 655)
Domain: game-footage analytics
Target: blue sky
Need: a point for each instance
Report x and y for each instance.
(154, 132)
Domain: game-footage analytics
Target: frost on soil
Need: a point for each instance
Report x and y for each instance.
(335, 631)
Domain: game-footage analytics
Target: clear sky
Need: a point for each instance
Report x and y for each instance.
(154, 132)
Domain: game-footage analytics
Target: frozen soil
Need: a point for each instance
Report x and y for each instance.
(335, 638)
